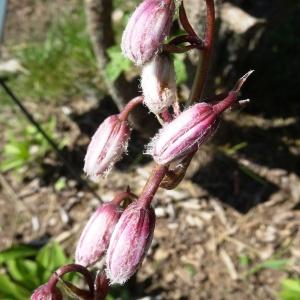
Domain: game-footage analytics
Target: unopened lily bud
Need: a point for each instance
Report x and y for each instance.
(44, 293)
(130, 242)
(184, 134)
(96, 235)
(146, 29)
(188, 131)
(107, 146)
(159, 83)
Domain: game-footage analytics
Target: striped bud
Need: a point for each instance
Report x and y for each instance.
(188, 131)
(107, 146)
(44, 293)
(159, 83)
(96, 235)
(146, 29)
(130, 242)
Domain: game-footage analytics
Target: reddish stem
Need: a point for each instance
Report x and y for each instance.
(152, 185)
(122, 196)
(185, 22)
(68, 269)
(101, 286)
(131, 105)
(203, 66)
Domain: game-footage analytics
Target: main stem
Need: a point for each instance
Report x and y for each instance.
(152, 185)
(203, 66)
(159, 172)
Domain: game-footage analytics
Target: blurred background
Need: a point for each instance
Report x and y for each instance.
(231, 229)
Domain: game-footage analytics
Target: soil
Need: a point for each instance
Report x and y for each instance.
(235, 209)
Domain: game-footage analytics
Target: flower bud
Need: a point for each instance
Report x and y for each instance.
(96, 235)
(107, 146)
(44, 293)
(146, 29)
(159, 83)
(184, 134)
(191, 128)
(130, 242)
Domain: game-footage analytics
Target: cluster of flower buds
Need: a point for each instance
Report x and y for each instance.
(119, 232)
(126, 236)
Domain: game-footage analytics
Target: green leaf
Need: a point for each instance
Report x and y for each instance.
(180, 69)
(20, 251)
(290, 289)
(9, 164)
(117, 64)
(25, 272)
(276, 264)
(60, 184)
(11, 290)
(244, 260)
(51, 257)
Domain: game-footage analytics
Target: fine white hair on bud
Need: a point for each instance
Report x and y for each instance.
(130, 242)
(44, 293)
(107, 146)
(95, 237)
(158, 82)
(147, 28)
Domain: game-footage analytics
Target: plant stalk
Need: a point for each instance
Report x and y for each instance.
(204, 62)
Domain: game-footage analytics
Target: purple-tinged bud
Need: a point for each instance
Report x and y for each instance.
(146, 29)
(96, 235)
(158, 83)
(184, 134)
(130, 242)
(44, 293)
(191, 128)
(107, 146)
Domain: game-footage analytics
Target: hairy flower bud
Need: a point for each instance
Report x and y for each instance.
(44, 293)
(96, 235)
(107, 146)
(130, 242)
(159, 83)
(146, 29)
(191, 128)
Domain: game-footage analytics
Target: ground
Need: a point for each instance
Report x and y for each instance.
(230, 230)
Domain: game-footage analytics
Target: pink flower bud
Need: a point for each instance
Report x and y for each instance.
(146, 29)
(159, 83)
(44, 293)
(184, 134)
(191, 128)
(130, 242)
(96, 235)
(107, 146)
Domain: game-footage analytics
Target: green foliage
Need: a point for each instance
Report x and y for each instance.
(274, 264)
(290, 289)
(244, 260)
(27, 268)
(180, 69)
(117, 64)
(55, 64)
(26, 144)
